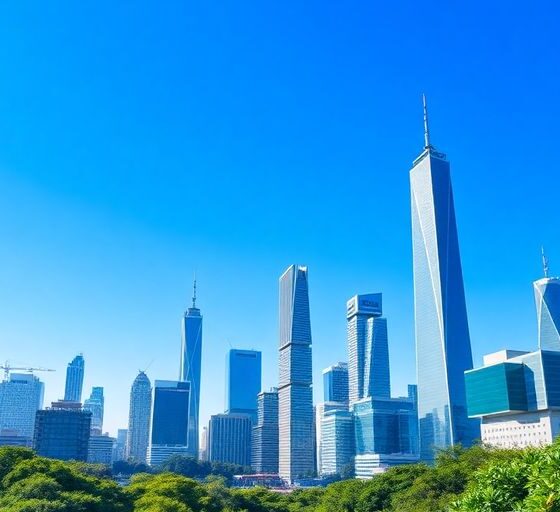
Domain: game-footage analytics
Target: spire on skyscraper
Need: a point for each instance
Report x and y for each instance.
(544, 262)
(194, 293)
(426, 126)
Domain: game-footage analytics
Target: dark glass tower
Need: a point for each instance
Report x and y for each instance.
(243, 381)
(74, 379)
(443, 348)
(191, 358)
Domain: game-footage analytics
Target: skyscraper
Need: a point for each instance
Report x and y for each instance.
(547, 299)
(138, 436)
(96, 404)
(169, 432)
(443, 348)
(264, 457)
(243, 381)
(337, 442)
(229, 438)
(335, 383)
(191, 358)
(74, 379)
(295, 400)
(20, 398)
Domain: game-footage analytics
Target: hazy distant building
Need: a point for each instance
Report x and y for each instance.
(96, 404)
(100, 449)
(295, 396)
(119, 448)
(443, 347)
(191, 360)
(203, 452)
(243, 381)
(229, 439)
(139, 417)
(335, 383)
(20, 398)
(74, 379)
(170, 421)
(264, 456)
(547, 299)
(62, 431)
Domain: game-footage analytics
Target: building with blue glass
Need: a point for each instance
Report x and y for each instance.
(335, 383)
(368, 352)
(336, 450)
(264, 453)
(295, 395)
(96, 404)
(243, 381)
(443, 348)
(190, 370)
(74, 379)
(547, 299)
(169, 433)
(229, 439)
(516, 395)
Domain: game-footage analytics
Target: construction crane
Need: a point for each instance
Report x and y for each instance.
(7, 368)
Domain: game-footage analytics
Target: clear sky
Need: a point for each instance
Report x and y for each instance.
(143, 141)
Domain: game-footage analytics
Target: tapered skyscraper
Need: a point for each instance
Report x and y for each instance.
(547, 299)
(191, 358)
(140, 412)
(74, 379)
(295, 396)
(443, 348)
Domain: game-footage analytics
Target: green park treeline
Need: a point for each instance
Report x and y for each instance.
(477, 479)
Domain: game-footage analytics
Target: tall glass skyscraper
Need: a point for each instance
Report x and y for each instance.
(368, 348)
(138, 436)
(443, 348)
(547, 299)
(243, 381)
(96, 404)
(264, 453)
(229, 439)
(74, 379)
(191, 358)
(295, 395)
(335, 383)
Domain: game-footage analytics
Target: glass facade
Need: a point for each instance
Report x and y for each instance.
(547, 299)
(368, 348)
(170, 419)
(335, 383)
(191, 359)
(74, 379)
(337, 441)
(264, 456)
(96, 404)
(140, 411)
(229, 439)
(243, 381)
(443, 349)
(295, 395)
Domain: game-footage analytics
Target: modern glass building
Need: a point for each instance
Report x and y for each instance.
(170, 421)
(62, 432)
(517, 396)
(335, 383)
(119, 448)
(335, 450)
(191, 359)
(139, 415)
(96, 404)
(100, 449)
(295, 395)
(243, 381)
(21, 396)
(264, 453)
(547, 299)
(368, 350)
(229, 439)
(74, 379)
(443, 348)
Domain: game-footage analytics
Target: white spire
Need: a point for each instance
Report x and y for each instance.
(544, 262)
(426, 126)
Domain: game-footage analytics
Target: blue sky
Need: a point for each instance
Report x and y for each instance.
(143, 141)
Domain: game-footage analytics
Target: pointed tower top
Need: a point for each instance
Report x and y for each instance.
(544, 262)
(426, 126)
(194, 293)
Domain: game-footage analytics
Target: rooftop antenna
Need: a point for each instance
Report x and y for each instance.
(426, 126)
(544, 262)
(194, 293)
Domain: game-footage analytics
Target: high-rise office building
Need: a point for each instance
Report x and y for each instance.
(368, 352)
(295, 395)
(96, 404)
(191, 359)
(335, 383)
(119, 448)
(203, 450)
(21, 396)
(443, 348)
(139, 417)
(169, 433)
(547, 299)
(101, 449)
(74, 379)
(320, 410)
(243, 381)
(264, 456)
(62, 431)
(337, 442)
(229, 438)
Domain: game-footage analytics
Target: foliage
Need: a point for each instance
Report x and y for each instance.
(193, 468)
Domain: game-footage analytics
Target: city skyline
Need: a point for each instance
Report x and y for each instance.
(126, 165)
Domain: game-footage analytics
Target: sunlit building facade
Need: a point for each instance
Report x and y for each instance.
(243, 381)
(139, 417)
(264, 455)
(335, 383)
(74, 379)
(547, 299)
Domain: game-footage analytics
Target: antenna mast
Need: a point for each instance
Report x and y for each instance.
(426, 126)
(194, 293)
(544, 262)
